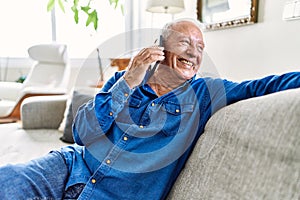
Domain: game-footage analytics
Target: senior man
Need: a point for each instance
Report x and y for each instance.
(134, 137)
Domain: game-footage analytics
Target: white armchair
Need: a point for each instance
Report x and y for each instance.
(49, 75)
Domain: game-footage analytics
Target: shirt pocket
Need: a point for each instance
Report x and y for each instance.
(176, 117)
(131, 111)
(135, 101)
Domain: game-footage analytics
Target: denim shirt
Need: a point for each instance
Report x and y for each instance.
(132, 144)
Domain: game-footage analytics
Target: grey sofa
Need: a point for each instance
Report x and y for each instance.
(43, 112)
(249, 150)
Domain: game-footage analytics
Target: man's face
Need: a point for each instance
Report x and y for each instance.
(183, 49)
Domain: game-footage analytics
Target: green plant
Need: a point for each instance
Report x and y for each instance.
(21, 79)
(87, 9)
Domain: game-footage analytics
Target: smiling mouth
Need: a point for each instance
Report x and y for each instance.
(186, 62)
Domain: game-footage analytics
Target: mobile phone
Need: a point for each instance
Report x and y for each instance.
(160, 44)
(152, 68)
(161, 40)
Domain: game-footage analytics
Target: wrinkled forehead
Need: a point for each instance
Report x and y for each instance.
(172, 36)
(183, 30)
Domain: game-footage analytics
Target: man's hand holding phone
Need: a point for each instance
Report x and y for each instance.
(139, 65)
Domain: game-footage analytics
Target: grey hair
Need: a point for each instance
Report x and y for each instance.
(166, 30)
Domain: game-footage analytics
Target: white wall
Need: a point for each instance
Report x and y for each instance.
(271, 46)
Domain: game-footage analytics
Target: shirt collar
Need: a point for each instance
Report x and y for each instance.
(150, 72)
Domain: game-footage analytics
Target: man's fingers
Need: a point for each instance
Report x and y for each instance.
(150, 50)
(140, 63)
(154, 58)
(149, 55)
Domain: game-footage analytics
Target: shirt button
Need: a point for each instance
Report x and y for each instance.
(126, 94)
(108, 161)
(93, 181)
(177, 110)
(141, 126)
(125, 138)
(152, 104)
(110, 113)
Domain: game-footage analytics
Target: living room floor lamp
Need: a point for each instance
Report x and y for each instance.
(165, 6)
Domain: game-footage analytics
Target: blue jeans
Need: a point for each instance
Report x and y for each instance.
(40, 179)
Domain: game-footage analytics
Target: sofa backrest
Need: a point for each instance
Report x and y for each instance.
(249, 150)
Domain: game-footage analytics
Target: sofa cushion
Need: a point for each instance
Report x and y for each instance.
(78, 98)
(249, 150)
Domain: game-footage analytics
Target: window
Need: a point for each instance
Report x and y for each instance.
(81, 40)
(23, 24)
(26, 23)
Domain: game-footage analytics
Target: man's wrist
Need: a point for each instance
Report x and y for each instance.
(129, 79)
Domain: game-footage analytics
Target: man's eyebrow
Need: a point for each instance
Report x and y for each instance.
(200, 41)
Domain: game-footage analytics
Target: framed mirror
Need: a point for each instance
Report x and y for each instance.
(218, 14)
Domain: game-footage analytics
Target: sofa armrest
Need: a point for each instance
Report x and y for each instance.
(45, 112)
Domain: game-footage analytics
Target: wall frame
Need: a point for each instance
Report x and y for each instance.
(219, 14)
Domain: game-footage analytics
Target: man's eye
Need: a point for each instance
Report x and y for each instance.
(184, 42)
(200, 48)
